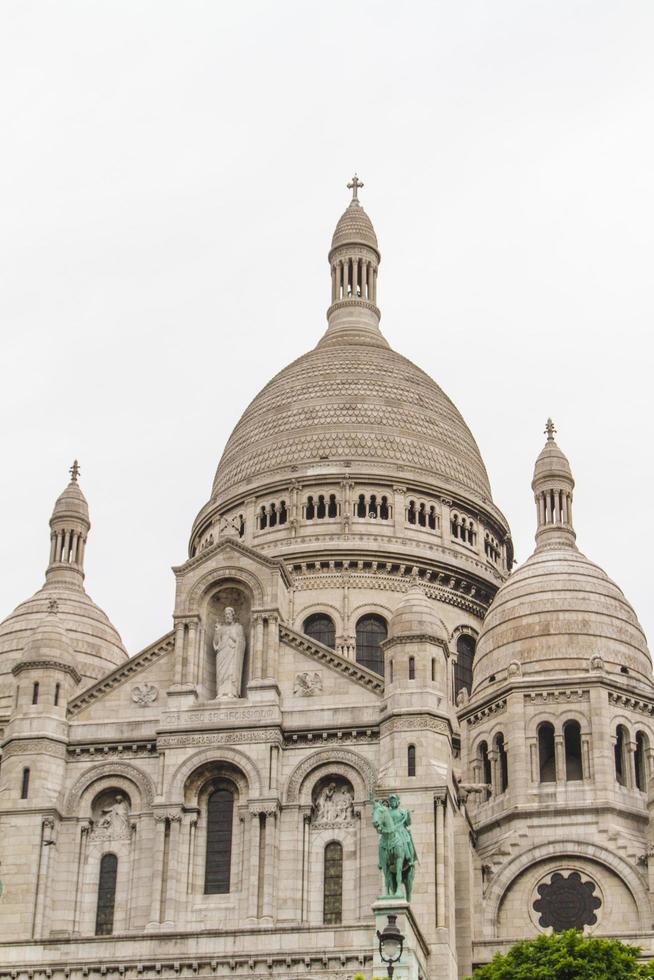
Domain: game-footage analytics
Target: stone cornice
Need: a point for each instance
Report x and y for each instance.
(238, 545)
(126, 671)
(36, 664)
(324, 655)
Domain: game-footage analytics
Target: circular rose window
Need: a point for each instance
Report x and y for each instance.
(567, 902)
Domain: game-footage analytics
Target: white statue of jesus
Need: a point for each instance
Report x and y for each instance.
(229, 646)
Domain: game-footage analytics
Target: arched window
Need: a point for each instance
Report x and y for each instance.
(283, 513)
(56, 694)
(371, 632)
(422, 515)
(546, 757)
(310, 510)
(332, 510)
(502, 763)
(263, 518)
(104, 917)
(383, 509)
(412, 668)
(411, 761)
(640, 760)
(332, 909)
(432, 518)
(465, 654)
(272, 520)
(35, 692)
(619, 753)
(321, 627)
(572, 743)
(372, 506)
(485, 764)
(25, 785)
(361, 506)
(411, 512)
(220, 815)
(321, 510)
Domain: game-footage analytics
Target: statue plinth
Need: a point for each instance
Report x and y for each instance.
(181, 696)
(413, 962)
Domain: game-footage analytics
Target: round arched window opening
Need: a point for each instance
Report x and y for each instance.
(320, 627)
(371, 633)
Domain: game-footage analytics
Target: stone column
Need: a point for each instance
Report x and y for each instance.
(439, 818)
(559, 758)
(190, 661)
(40, 899)
(271, 653)
(157, 868)
(85, 829)
(173, 871)
(271, 818)
(179, 652)
(256, 670)
(586, 767)
(255, 862)
(493, 758)
(629, 764)
(399, 509)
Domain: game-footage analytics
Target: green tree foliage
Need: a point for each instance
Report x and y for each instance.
(567, 956)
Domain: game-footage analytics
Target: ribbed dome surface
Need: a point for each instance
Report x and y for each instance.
(553, 615)
(354, 228)
(347, 403)
(96, 643)
(49, 642)
(71, 502)
(416, 616)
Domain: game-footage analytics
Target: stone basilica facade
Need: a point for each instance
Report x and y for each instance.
(347, 624)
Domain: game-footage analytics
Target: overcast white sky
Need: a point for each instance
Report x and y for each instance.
(170, 177)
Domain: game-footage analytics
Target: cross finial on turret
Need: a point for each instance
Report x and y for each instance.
(550, 430)
(354, 186)
(74, 471)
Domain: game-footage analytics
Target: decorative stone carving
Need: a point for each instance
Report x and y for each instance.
(113, 822)
(567, 902)
(462, 698)
(596, 662)
(145, 693)
(229, 647)
(230, 527)
(514, 669)
(308, 683)
(333, 806)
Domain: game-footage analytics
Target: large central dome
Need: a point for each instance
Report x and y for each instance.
(352, 401)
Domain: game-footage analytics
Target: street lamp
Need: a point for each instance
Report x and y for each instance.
(391, 943)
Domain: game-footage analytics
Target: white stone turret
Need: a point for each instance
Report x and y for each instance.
(354, 261)
(553, 485)
(69, 526)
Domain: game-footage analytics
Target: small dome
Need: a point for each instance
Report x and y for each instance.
(49, 642)
(96, 644)
(416, 616)
(552, 464)
(354, 228)
(72, 502)
(553, 615)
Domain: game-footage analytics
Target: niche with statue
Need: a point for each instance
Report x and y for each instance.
(227, 650)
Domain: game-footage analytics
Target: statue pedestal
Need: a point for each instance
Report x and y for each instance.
(181, 696)
(413, 962)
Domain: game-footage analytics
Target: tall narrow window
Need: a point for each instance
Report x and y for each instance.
(412, 668)
(332, 913)
(332, 510)
(640, 760)
(56, 694)
(25, 785)
(35, 692)
(321, 627)
(546, 757)
(465, 654)
(104, 917)
(411, 761)
(502, 763)
(220, 814)
(371, 633)
(485, 764)
(572, 742)
(619, 747)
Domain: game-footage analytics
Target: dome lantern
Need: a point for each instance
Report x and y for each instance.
(553, 485)
(69, 528)
(354, 258)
